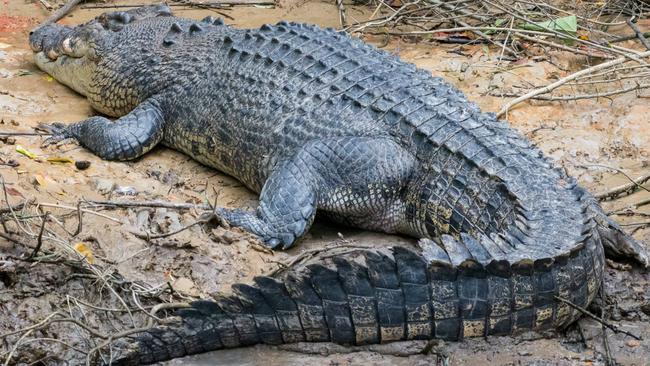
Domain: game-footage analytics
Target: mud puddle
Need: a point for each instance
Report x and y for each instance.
(586, 137)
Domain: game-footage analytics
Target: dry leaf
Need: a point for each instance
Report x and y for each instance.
(58, 159)
(14, 192)
(633, 343)
(27, 153)
(40, 180)
(83, 249)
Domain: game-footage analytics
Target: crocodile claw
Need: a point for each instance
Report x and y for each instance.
(59, 133)
(273, 243)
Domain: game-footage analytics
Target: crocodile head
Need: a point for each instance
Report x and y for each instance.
(68, 54)
(74, 55)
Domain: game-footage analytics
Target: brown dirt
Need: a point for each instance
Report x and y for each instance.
(203, 261)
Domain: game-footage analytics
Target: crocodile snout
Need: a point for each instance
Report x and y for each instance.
(52, 39)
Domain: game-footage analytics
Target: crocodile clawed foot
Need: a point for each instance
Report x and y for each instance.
(273, 243)
(59, 134)
(619, 244)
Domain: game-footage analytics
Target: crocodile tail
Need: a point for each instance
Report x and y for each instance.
(378, 296)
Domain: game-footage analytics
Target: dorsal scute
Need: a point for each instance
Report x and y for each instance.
(208, 20)
(194, 28)
(176, 28)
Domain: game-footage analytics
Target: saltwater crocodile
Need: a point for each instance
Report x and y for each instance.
(316, 120)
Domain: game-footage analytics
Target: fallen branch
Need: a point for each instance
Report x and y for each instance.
(60, 13)
(313, 253)
(638, 33)
(151, 204)
(624, 189)
(565, 80)
(627, 38)
(25, 134)
(632, 206)
(148, 236)
(47, 5)
(342, 20)
(16, 207)
(608, 353)
(77, 209)
(582, 96)
(602, 321)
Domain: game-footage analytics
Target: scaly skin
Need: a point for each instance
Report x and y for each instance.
(315, 120)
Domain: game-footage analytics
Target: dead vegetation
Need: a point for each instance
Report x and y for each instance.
(526, 29)
(44, 238)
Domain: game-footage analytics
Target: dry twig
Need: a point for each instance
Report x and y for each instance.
(151, 204)
(61, 12)
(638, 33)
(624, 189)
(602, 321)
(337, 248)
(563, 81)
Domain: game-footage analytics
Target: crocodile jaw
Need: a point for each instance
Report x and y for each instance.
(71, 71)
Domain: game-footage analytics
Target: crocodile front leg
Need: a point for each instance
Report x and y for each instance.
(127, 138)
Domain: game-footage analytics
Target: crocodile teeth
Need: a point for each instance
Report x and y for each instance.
(52, 55)
(65, 46)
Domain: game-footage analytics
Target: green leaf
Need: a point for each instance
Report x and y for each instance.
(498, 23)
(568, 25)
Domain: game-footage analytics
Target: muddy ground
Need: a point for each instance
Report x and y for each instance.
(580, 135)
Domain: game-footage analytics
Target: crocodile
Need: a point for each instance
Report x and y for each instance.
(315, 120)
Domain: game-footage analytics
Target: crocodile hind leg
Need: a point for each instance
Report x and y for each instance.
(127, 138)
(357, 180)
(616, 242)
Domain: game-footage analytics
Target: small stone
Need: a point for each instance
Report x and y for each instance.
(524, 353)
(12, 163)
(185, 286)
(166, 221)
(645, 307)
(13, 122)
(9, 140)
(224, 236)
(143, 218)
(103, 186)
(82, 164)
(126, 190)
(633, 343)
